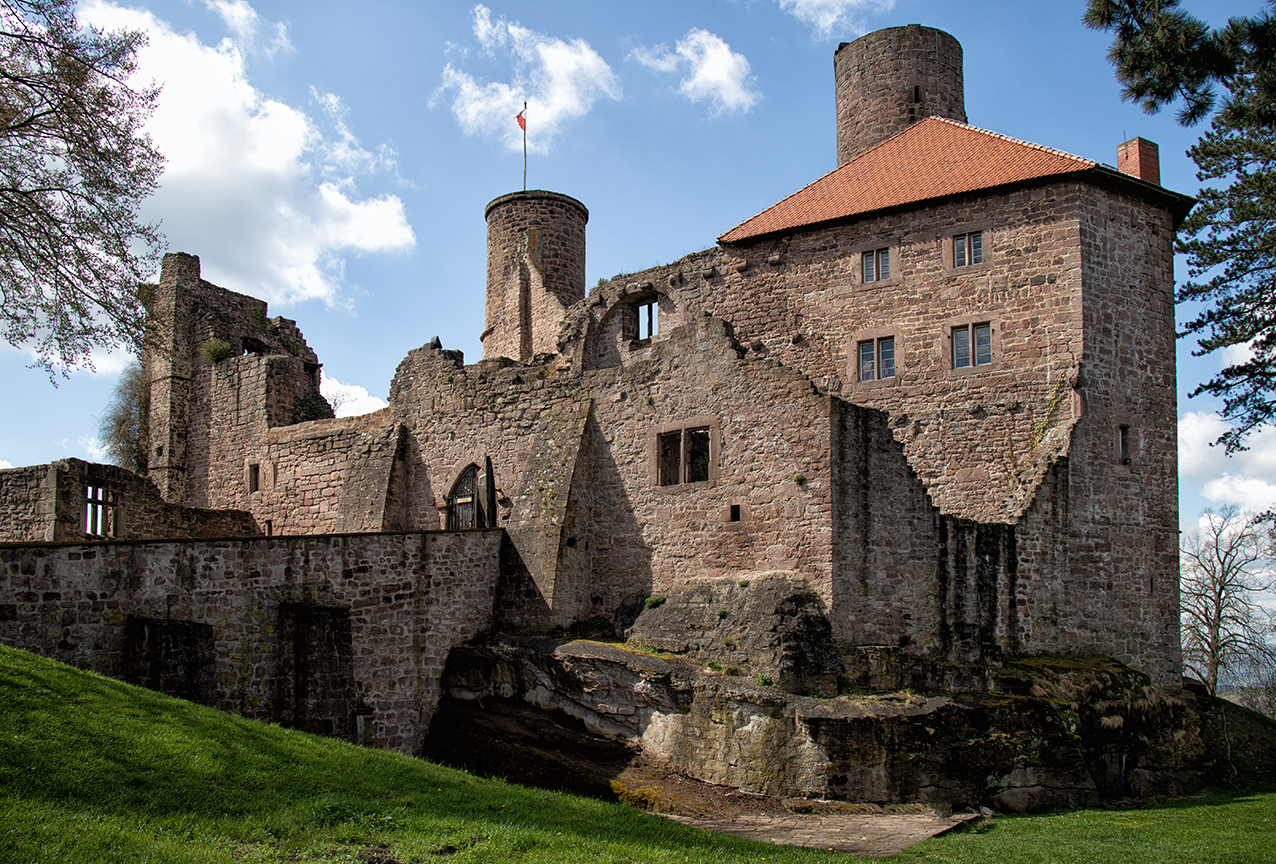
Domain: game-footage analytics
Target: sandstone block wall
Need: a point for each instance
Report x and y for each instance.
(535, 271)
(891, 78)
(43, 503)
(406, 600)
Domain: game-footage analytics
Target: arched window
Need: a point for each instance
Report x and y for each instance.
(463, 510)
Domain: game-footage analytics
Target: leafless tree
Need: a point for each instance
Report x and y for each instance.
(1223, 567)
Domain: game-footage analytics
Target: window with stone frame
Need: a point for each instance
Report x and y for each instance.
(968, 249)
(647, 323)
(101, 512)
(683, 456)
(875, 265)
(876, 359)
(972, 345)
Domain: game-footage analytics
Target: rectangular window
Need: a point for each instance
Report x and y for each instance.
(669, 458)
(697, 441)
(100, 513)
(254, 478)
(877, 358)
(876, 265)
(968, 249)
(964, 337)
(735, 513)
(1123, 444)
(648, 320)
(683, 456)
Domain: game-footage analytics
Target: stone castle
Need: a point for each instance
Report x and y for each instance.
(936, 386)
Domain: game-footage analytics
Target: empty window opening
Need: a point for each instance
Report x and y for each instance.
(697, 444)
(735, 513)
(683, 456)
(968, 249)
(876, 265)
(877, 358)
(101, 513)
(159, 451)
(270, 528)
(254, 478)
(972, 345)
(1123, 444)
(669, 458)
(648, 320)
(917, 93)
(463, 510)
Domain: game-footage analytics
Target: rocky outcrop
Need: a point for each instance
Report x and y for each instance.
(1054, 734)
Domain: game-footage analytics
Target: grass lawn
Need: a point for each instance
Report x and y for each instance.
(94, 770)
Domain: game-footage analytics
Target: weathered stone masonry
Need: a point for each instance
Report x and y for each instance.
(1019, 501)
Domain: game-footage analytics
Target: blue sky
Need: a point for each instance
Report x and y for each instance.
(335, 158)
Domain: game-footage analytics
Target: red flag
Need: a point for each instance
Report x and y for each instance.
(522, 121)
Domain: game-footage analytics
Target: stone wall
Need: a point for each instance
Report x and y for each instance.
(53, 502)
(891, 78)
(535, 271)
(314, 632)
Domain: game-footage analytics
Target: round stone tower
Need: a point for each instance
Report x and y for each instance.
(891, 78)
(535, 271)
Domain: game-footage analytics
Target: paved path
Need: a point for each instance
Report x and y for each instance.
(871, 834)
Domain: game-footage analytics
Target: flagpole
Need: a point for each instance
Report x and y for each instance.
(524, 125)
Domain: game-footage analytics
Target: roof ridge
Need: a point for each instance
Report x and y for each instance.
(992, 134)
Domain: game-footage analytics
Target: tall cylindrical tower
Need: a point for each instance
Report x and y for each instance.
(891, 78)
(535, 271)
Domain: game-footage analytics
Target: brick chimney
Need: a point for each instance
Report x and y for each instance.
(1140, 158)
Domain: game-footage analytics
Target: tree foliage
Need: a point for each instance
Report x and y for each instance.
(1163, 55)
(1230, 241)
(123, 427)
(1224, 565)
(74, 166)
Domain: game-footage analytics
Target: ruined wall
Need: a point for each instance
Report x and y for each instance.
(205, 405)
(979, 438)
(52, 502)
(1120, 518)
(313, 632)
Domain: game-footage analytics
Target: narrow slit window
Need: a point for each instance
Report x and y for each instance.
(697, 441)
(669, 458)
(648, 320)
(254, 478)
(1123, 444)
(735, 513)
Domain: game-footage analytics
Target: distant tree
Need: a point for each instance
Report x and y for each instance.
(1163, 55)
(1224, 565)
(124, 427)
(74, 165)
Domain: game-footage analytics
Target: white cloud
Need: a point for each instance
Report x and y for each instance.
(824, 15)
(246, 27)
(559, 80)
(349, 400)
(1247, 478)
(714, 72)
(93, 448)
(259, 189)
(4, 464)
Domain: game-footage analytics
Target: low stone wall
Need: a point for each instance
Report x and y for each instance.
(343, 635)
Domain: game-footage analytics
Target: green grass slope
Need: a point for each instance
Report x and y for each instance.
(93, 770)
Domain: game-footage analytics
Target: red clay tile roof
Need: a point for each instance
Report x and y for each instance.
(930, 159)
